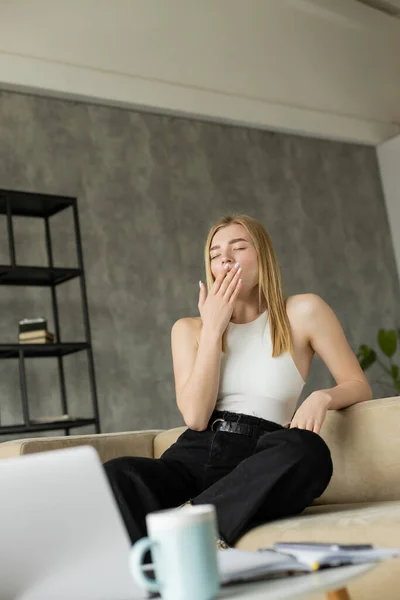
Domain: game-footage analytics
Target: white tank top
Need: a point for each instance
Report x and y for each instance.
(251, 381)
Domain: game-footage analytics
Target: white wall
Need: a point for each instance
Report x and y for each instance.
(389, 165)
(321, 67)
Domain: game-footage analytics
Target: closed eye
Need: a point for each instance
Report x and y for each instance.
(234, 249)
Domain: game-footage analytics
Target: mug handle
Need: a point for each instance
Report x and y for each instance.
(136, 555)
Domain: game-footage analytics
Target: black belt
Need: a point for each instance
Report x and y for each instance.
(232, 426)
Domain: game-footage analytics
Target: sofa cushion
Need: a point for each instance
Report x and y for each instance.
(165, 439)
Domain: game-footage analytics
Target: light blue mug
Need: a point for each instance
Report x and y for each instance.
(183, 548)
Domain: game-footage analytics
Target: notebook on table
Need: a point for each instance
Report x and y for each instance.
(294, 558)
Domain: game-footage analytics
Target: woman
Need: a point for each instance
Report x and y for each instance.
(239, 370)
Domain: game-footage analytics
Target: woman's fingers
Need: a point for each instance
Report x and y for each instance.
(202, 294)
(228, 279)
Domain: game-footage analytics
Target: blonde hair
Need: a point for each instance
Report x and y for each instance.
(269, 279)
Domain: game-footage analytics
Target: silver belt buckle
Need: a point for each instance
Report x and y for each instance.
(212, 424)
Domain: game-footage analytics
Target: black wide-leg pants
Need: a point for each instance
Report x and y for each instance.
(251, 479)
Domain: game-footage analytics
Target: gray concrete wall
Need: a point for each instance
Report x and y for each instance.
(148, 188)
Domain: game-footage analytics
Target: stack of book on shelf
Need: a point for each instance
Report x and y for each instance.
(34, 331)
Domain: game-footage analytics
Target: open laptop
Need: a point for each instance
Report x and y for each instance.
(61, 534)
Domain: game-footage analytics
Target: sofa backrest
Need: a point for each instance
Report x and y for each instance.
(364, 440)
(365, 446)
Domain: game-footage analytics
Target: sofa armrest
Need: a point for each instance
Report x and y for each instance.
(108, 445)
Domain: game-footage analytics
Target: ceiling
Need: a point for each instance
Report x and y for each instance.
(390, 7)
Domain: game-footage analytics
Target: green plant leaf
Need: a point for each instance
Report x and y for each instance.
(363, 349)
(395, 371)
(387, 339)
(366, 356)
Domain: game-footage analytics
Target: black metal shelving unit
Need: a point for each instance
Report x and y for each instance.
(26, 204)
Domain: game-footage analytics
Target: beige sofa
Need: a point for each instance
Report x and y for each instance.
(360, 505)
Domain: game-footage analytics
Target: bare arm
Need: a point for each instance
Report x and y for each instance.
(197, 372)
(197, 369)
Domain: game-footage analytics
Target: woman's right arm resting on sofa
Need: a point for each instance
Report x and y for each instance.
(196, 372)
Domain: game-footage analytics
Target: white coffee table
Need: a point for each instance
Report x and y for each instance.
(333, 581)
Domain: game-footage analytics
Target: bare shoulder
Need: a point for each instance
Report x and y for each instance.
(183, 324)
(188, 321)
(302, 310)
(189, 326)
(303, 304)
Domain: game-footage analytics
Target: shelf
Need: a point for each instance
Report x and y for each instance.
(25, 204)
(46, 426)
(36, 276)
(18, 203)
(41, 350)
